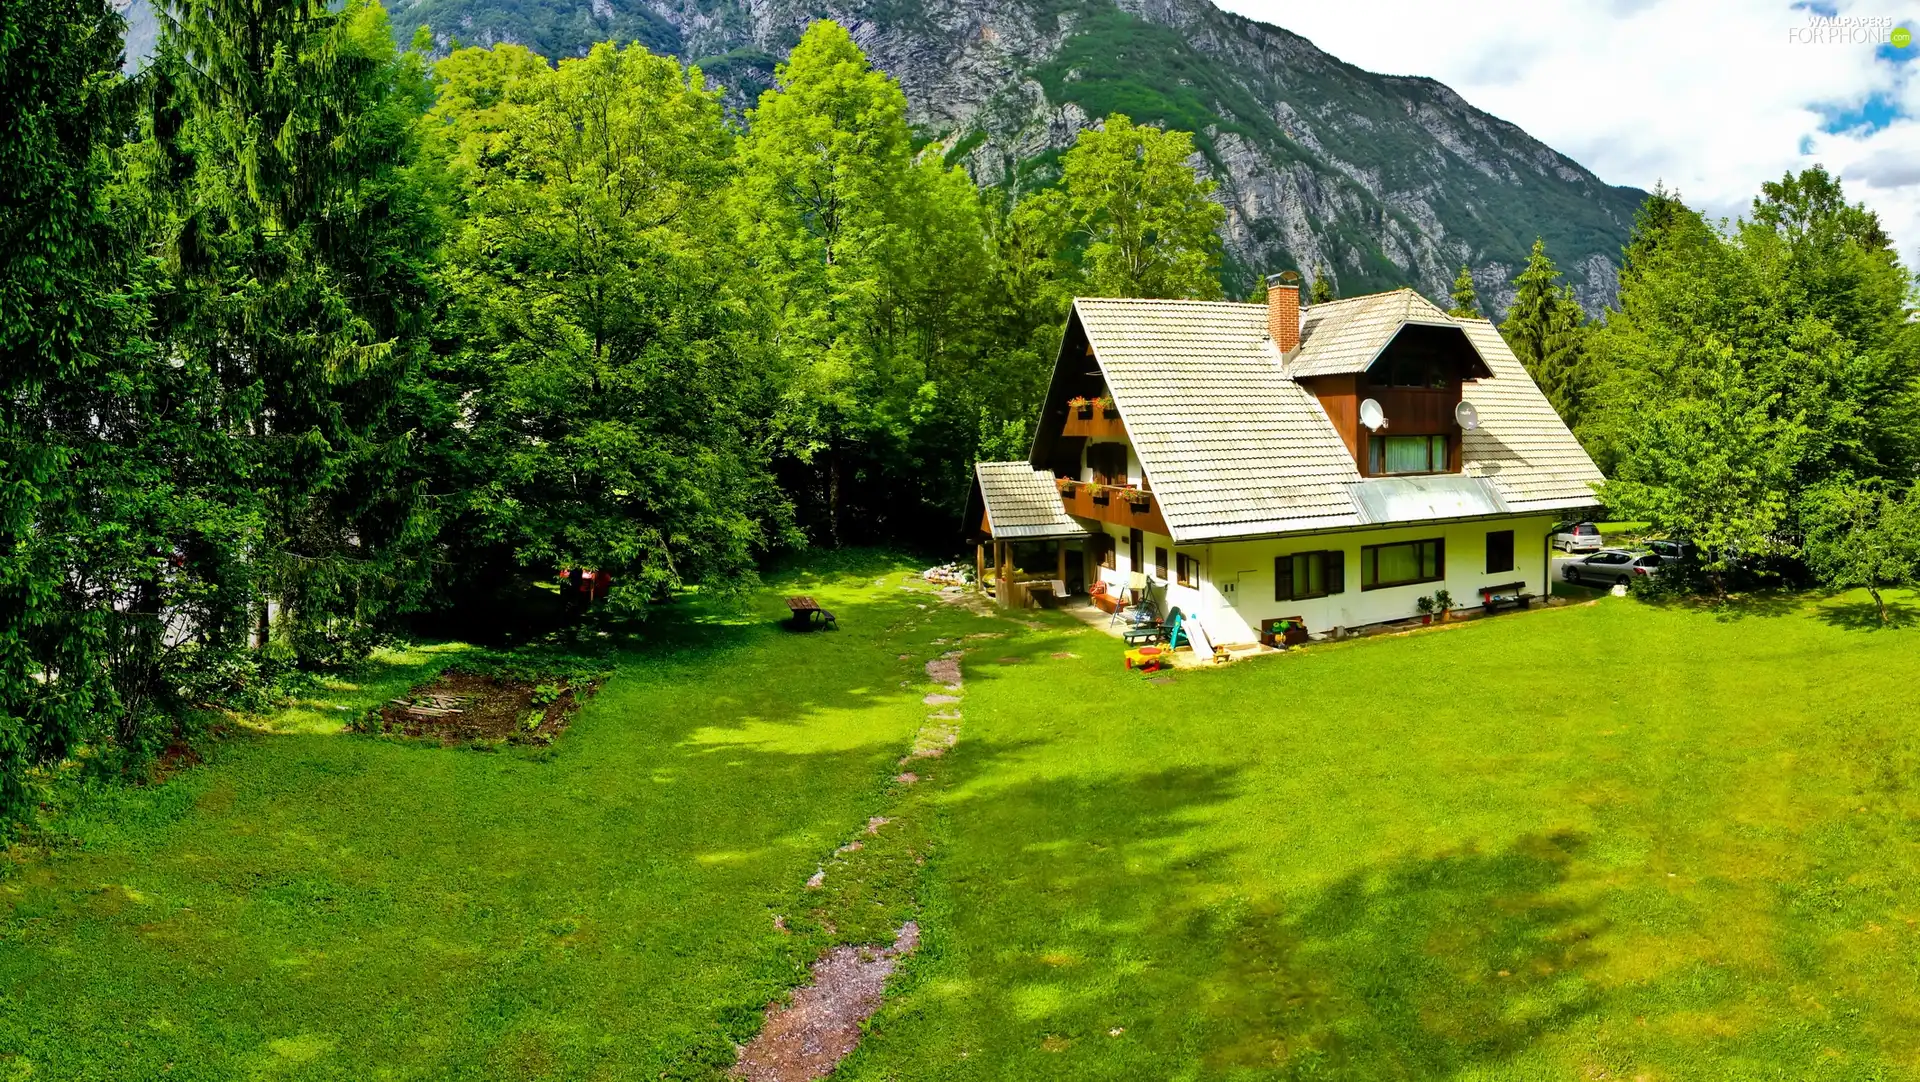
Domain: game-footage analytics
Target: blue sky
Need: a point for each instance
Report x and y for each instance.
(1711, 96)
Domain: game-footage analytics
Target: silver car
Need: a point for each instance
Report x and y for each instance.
(1579, 537)
(1610, 567)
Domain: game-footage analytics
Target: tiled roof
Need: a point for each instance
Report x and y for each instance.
(1343, 336)
(1233, 447)
(1230, 446)
(1522, 445)
(1022, 503)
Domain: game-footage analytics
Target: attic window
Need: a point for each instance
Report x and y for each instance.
(1413, 370)
(1407, 454)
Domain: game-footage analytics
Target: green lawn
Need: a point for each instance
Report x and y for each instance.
(1605, 841)
(1602, 841)
(314, 904)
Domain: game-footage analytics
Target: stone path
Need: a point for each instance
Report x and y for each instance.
(807, 1037)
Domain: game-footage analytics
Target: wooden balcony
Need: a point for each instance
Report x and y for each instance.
(1100, 425)
(1116, 509)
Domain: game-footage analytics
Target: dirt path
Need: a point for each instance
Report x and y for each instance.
(806, 1037)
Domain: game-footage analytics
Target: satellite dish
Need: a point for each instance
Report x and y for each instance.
(1372, 415)
(1467, 416)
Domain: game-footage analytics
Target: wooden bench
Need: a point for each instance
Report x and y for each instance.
(806, 611)
(1507, 595)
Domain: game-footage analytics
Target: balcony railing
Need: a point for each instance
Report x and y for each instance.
(1098, 423)
(1131, 507)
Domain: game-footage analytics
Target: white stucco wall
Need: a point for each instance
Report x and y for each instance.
(1233, 615)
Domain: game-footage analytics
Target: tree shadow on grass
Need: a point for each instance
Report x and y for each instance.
(1088, 906)
(1865, 615)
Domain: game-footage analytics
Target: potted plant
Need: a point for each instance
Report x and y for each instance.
(1081, 405)
(1442, 604)
(1101, 493)
(1107, 408)
(1066, 485)
(1425, 605)
(1139, 499)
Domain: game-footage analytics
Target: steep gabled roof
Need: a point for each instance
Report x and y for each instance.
(1022, 503)
(1232, 446)
(1337, 337)
(1522, 445)
(1229, 444)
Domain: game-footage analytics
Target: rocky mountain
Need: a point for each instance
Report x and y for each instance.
(1384, 180)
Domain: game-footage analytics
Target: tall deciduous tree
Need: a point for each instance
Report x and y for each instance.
(1863, 535)
(609, 367)
(1149, 228)
(62, 311)
(1801, 310)
(871, 268)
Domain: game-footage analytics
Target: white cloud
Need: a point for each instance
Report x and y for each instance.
(1711, 96)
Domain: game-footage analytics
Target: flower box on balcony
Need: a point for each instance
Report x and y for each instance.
(1107, 407)
(1067, 486)
(1139, 500)
(1101, 493)
(1082, 407)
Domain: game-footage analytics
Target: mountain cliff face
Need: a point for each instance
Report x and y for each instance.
(1384, 180)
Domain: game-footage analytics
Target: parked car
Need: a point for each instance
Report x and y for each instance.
(1611, 566)
(1672, 552)
(1579, 537)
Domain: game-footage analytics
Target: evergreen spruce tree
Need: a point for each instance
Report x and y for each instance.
(1322, 290)
(305, 235)
(1544, 328)
(1466, 302)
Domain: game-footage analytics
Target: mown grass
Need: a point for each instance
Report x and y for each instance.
(1605, 841)
(318, 904)
(1618, 840)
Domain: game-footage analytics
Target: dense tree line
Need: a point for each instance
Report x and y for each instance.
(305, 333)
(1756, 391)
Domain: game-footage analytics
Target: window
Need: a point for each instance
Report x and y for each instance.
(1499, 551)
(1104, 543)
(1410, 370)
(1189, 568)
(1136, 551)
(1402, 564)
(1309, 574)
(1160, 564)
(1407, 454)
(1108, 461)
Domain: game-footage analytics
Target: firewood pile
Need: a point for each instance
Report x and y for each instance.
(435, 708)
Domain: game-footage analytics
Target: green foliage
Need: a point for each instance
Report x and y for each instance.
(1545, 326)
(1466, 302)
(1150, 229)
(66, 312)
(1752, 372)
(607, 359)
(1864, 536)
(1322, 290)
(303, 231)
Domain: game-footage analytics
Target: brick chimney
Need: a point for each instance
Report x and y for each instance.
(1283, 310)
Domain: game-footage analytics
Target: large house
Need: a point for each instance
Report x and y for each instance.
(1332, 463)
